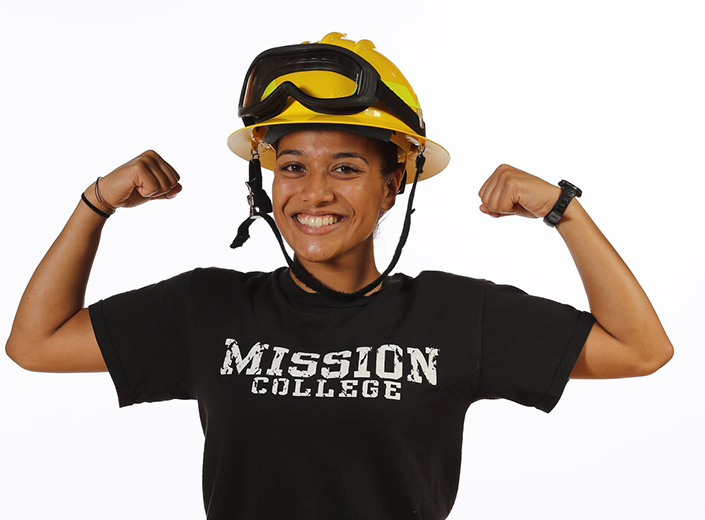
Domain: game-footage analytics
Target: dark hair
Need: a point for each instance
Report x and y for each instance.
(390, 160)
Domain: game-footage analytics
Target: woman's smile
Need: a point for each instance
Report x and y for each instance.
(317, 222)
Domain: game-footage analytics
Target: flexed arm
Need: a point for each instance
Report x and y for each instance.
(628, 338)
(52, 330)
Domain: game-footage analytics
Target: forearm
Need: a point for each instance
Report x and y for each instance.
(616, 299)
(56, 291)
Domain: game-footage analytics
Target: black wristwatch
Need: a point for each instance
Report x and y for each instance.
(569, 191)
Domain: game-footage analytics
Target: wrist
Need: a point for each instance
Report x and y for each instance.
(571, 214)
(568, 193)
(93, 200)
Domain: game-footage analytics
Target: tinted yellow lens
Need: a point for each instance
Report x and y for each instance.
(316, 83)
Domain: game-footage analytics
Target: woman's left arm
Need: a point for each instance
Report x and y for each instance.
(627, 339)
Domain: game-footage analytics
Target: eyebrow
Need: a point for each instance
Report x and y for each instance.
(289, 152)
(339, 155)
(345, 155)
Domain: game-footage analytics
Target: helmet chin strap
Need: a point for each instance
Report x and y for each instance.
(261, 206)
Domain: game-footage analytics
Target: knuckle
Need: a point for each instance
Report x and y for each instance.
(149, 157)
(142, 166)
(503, 169)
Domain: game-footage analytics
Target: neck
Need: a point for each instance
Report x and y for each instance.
(337, 277)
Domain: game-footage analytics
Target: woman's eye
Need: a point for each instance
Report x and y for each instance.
(346, 169)
(291, 168)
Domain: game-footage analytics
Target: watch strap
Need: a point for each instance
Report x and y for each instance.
(569, 192)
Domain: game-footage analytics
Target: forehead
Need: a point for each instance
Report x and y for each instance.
(327, 142)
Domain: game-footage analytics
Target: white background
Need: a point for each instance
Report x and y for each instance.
(607, 94)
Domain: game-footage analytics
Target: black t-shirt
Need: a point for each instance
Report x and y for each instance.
(314, 408)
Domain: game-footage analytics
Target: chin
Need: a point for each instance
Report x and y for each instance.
(314, 256)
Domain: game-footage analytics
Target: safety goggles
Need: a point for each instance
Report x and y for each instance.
(326, 79)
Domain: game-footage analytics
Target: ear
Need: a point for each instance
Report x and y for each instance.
(392, 187)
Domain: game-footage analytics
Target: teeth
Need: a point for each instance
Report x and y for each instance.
(316, 222)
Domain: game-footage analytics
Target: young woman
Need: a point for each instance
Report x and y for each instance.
(329, 389)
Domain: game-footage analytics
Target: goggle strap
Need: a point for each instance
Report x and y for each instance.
(275, 103)
(399, 108)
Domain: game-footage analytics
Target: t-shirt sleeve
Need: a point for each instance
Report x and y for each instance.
(529, 346)
(144, 336)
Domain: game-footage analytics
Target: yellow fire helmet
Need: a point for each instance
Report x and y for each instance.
(335, 81)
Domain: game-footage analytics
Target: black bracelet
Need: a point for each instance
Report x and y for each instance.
(556, 213)
(97, 210)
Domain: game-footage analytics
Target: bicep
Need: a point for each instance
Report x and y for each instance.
(71, 348)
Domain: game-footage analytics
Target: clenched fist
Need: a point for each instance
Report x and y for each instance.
(510, 191)
(146, 177)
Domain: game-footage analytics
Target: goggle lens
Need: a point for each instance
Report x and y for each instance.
(301, 61)
(318, 84)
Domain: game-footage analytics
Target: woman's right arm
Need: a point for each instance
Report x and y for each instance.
(52, 331)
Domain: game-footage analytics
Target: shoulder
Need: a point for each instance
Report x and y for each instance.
(439, 281)
(216, 280)
(199, 283)
(219, 274)
(447, 289)
(437, 292)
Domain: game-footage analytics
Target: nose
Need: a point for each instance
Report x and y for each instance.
(317, 189)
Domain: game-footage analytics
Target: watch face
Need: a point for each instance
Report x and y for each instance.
(577, 192)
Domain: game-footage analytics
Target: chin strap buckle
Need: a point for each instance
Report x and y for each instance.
(254, 210)
(257, 199)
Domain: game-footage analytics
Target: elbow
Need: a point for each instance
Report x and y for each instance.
(666, 354)
(13, 351)
(18, 352)
(659, 355)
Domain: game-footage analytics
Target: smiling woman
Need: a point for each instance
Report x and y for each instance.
(327, 389)
(329, 192)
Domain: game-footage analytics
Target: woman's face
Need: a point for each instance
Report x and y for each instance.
(328, 194)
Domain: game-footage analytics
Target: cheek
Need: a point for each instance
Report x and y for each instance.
(368, 207)
(281, 192)
(279, 199)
